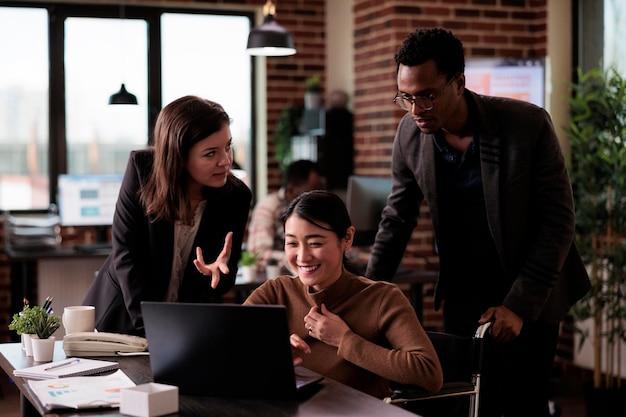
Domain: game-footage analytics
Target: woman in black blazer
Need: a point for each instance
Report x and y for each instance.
(179, 219)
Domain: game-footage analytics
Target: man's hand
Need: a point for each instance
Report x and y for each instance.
(220, 264)
(506, 324)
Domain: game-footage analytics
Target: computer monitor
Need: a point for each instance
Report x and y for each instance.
(365, 198)
(88, 200)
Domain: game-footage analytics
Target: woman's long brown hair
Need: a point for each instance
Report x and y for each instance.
(180, 125)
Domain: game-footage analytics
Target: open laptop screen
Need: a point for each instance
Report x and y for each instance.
(226, 350)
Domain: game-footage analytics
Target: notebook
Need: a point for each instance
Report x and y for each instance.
(225, 350)
(66, 368)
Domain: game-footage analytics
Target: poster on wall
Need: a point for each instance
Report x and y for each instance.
(522, 79)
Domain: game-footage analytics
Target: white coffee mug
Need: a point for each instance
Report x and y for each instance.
(79, 319)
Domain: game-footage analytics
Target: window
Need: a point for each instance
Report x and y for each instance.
(100, 55)
(614, 34)
(65, 60)
(198, 59)
(23, 108)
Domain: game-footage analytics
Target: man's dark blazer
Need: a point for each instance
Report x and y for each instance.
(140, 264)
(528, 199)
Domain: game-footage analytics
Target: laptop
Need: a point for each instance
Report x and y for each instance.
(224, 350)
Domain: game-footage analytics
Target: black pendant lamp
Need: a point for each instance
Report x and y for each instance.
(270, 39)
(123, 97)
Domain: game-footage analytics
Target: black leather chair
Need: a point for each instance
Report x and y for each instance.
(461, 360)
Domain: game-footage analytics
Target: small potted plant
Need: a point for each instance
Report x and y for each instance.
(22, 324)
(313, 93)
(272, 269)
(44, 325)
(249, 261)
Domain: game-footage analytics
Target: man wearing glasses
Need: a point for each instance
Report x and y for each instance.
(495, 180)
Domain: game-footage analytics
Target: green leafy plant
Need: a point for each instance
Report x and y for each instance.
(288, 126)
(313, 84)
(43, 323)
(249, 258)
(22, 322)
(597, 133)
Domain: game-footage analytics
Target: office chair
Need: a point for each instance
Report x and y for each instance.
(461, 362)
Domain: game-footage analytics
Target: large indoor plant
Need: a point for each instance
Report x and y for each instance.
(597, 133)
(287, 127)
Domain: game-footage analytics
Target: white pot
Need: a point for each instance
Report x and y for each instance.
(272, 271)
(248, 273)
(43, 349)
(312, 100)
(28, 345)
(583, 355)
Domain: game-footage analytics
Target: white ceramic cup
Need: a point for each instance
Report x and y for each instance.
(79, 319)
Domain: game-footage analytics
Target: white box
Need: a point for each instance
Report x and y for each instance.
(149, 400)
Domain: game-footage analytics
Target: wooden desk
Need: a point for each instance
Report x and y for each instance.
(333, 399)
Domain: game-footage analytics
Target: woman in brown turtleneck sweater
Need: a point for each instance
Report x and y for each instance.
(360, 332)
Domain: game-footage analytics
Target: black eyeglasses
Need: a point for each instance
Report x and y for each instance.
(425, 102)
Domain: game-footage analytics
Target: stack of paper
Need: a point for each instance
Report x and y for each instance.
(66, 368)
(82, 391)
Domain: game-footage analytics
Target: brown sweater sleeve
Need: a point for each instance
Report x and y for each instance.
(410, 359)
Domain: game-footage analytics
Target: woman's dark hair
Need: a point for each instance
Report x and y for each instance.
(179, 126)
(437, 44)
(326, 211)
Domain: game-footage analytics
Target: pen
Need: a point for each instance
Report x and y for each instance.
(62, 365)
(47, 303)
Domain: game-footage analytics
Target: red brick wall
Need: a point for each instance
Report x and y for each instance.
(286, 75)
(488, 28)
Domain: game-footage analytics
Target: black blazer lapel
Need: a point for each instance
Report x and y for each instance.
(427, 178)
(490, 160)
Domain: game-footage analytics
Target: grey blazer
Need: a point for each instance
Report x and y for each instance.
(528, 198)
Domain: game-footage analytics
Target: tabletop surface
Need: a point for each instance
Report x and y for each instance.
(331, 399)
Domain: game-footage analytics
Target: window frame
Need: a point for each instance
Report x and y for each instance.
(58, 12)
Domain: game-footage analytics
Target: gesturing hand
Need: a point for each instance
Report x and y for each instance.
(298, 345)
(220, 264)
(325, 326)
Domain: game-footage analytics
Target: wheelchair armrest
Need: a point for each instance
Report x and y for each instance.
(407, 391)
(413, 392)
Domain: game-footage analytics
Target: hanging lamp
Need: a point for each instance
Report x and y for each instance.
(270, 38)
(122, 96)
